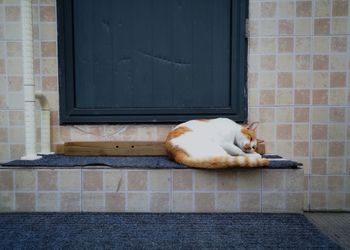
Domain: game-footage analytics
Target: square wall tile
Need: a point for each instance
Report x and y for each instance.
(159, 180)
(286, 9)
(249, 202)
(319, 166)
(336, 166)
(6, 180)
(182, 180)
(335, 183)
(7, 201)
(47, 202)
(70, 202)
(294, 202)
(227, 202)
(93, 180)
(273, 180)
(322, 8)
(335, 201)
(204, 202)
(114, 180)
(93, 202)
(182, 202)
(340, 8)
(160, 202)
(249, 180)
(137, 180)
(205, 180)
(318, 183)
(25, 180)
(273, 202)
(321, 26)
(69, 180)
(137, 202)
(318, 201)
(347, 201)
(47, 180)
(294, 180)
(25, 202)
(115, 202)
(227, 180)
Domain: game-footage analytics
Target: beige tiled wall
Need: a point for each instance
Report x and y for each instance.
(114, 190)
(298, 88)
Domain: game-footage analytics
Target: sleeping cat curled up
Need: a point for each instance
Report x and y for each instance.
(214, 143)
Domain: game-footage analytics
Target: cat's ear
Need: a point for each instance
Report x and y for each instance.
(252, 126)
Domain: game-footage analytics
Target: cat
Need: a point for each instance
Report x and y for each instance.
(214, 143)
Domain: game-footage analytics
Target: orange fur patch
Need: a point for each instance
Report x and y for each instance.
(172, 151)
(249, 133)
(177, 132)
(247, 162)
(203, 120)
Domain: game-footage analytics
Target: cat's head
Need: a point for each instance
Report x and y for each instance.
(247, 138)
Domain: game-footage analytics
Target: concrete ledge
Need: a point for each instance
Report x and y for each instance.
(160, 190)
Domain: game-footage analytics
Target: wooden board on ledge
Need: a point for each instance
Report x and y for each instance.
(261, 149)
(117, 148)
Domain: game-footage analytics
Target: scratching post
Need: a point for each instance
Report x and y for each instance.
(28, 81)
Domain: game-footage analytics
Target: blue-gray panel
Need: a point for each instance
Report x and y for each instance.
(152, 53)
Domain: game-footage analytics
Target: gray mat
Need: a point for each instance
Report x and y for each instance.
(149, 162)
(335, 225)
(160, 231)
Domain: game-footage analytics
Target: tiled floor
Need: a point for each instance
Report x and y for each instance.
(335, 225)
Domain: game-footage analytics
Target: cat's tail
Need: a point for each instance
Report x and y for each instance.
(228, 161)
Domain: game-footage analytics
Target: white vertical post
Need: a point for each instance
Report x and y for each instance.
(45, 123)
(45, 132)
(28, 81)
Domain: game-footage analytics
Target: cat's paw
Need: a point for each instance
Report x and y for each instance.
(254, 155)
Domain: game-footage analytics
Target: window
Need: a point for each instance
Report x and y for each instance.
(149, 61)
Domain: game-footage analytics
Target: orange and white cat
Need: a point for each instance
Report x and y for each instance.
(214, 143)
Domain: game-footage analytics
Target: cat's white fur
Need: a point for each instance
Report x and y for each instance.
(211, 138)
(218, 138)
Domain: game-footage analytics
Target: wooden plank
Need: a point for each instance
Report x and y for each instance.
(261, 147)
(105, 148)
(59, 149)
(119, 148)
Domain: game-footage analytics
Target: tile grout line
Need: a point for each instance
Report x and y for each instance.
(81, 190)
(39, 84)
(216, 178)
(36, 189)
(310, 147)
(261, 190)
(126, 206)
(328, 106)
(103, 189)
(148, 190)
(14, 189)
(193, 189)
(284, 190)
(58, 191)
(171, 197)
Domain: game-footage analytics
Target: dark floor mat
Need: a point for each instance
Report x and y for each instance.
(160, 231)
(335, 225)
(152, 162)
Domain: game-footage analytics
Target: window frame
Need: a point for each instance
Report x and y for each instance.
(70, 114)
